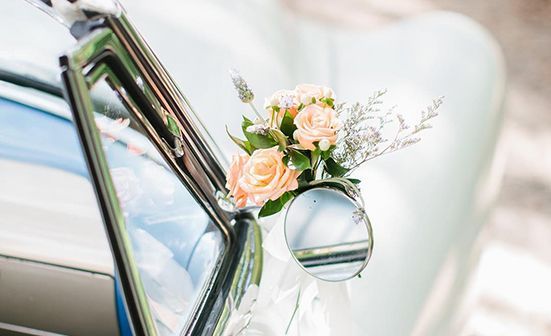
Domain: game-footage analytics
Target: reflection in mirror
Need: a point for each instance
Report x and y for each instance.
(174, 243)
(328, 234)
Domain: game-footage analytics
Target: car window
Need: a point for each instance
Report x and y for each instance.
(175, 245)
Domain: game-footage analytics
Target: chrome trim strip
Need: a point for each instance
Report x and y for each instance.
(167, 91)
(25, 330)
(248, 272)
(11, 258)
(35, 98)
(76, 91)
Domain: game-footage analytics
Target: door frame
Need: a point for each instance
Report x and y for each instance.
(114, 51)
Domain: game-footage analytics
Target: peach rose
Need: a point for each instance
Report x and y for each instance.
(305, 93)
(286, 100)
(316, 123)
(266, 177)
(232, 180)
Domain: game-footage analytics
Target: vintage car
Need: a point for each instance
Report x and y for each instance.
(113, 219)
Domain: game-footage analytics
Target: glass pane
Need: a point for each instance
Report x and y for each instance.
(173, 240)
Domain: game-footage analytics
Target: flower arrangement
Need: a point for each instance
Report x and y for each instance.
(305, 138)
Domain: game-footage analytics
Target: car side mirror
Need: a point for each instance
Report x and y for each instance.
(328, 234)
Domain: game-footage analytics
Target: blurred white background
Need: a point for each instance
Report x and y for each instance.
(511, 291)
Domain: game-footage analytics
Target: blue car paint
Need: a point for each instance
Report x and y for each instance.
(30, 135)
(34, 136)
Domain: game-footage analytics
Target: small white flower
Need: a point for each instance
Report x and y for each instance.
(258, 128)
(286, 102)
(324, 145)
(273, 101)
(284, 99)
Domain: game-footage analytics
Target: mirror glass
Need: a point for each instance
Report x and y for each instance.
(328, 234)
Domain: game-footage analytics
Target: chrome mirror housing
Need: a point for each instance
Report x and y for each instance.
(328, 234)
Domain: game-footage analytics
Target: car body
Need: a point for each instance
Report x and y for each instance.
(426, 216)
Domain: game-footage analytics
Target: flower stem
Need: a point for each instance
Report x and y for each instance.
(294, 313)
(256, 112)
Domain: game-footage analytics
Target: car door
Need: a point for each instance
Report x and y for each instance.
(181, 259)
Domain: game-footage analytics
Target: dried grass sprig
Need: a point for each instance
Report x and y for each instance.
(362, 136)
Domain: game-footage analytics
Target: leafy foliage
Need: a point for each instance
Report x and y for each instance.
(272, 207)
(256, 140)
(298, 160)
(287, 125)
(244, 145)
(334, 169)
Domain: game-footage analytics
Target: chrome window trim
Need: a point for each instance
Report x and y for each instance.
(35, 98)
(116, 51)
(22, 330)
(167, 91)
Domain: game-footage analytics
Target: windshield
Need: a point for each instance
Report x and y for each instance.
(174, 243)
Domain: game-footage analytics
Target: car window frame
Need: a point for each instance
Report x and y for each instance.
(107, 52)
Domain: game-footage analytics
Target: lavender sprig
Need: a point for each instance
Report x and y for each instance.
(245, 94)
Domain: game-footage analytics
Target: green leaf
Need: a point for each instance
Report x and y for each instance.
(285, 160)
(314, 156)
(244, 145)
(260, 141)
(299, 161)
(280, 138)
(355, 181)
(327, 154)
(334, 169)
(287, 125)
(305, 177)
(256, 140)
(246, 122)
(328, 101)
(273, 207)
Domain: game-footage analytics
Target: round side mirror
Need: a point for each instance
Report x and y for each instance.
(329, 234)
